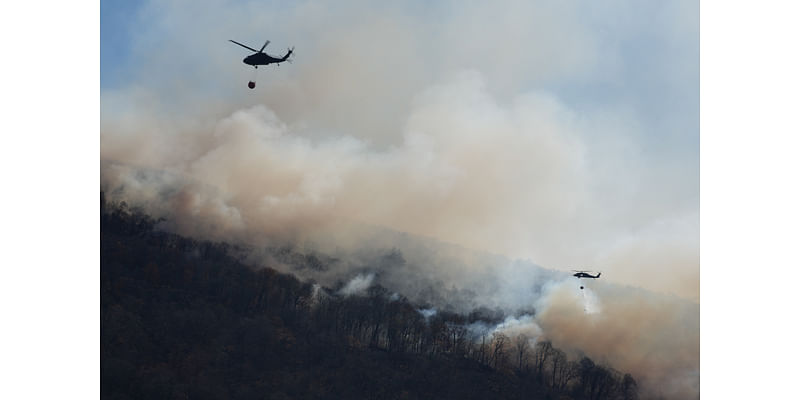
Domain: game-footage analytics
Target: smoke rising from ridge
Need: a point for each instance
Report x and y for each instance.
(358, 285)
(514, 180)
(408, 119)
(476, 137)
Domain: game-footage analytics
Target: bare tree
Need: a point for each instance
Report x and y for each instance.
(482, 352)
(605, 383)
(521, 347)
(498, 355)
(561, 372)
(540, 356)
(585, 370)
(629, 388)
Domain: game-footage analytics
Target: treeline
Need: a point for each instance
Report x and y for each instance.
(181, 318)
(378, 321)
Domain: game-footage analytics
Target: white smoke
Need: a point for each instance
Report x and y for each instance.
(522, 325)
(427, 312)
(591, 303)
(358, 285)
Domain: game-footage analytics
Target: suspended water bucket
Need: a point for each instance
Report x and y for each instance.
(252, 83)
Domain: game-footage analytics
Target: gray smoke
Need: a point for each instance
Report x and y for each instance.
(406, 148)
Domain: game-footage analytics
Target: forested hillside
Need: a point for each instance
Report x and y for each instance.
(184, 319)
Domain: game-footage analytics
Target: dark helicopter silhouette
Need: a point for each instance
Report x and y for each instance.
(261, 58)
(585, 274)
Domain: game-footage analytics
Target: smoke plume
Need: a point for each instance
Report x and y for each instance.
(357, 285)
(408, 149)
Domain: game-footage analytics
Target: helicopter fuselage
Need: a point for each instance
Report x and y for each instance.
(261, 59)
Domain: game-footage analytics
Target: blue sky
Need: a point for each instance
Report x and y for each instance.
(117, 19)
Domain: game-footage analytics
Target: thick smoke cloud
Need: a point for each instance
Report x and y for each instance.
(535, 130)
(492, 138)
(513, 179)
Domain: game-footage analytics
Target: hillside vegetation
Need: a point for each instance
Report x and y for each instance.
(183, 319)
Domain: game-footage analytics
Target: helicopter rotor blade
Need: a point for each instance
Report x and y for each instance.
(246, 47)
(262, 47)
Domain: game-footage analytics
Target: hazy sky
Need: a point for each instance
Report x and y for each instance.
(562, 132)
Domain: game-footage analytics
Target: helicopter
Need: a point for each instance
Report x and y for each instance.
(261, 58)
(585, 274)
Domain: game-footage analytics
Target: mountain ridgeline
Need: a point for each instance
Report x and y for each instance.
(188, 319)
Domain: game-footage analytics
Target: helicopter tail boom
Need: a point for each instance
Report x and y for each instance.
(288, 54)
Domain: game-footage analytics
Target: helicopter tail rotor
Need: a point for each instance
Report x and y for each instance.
(289, 52)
